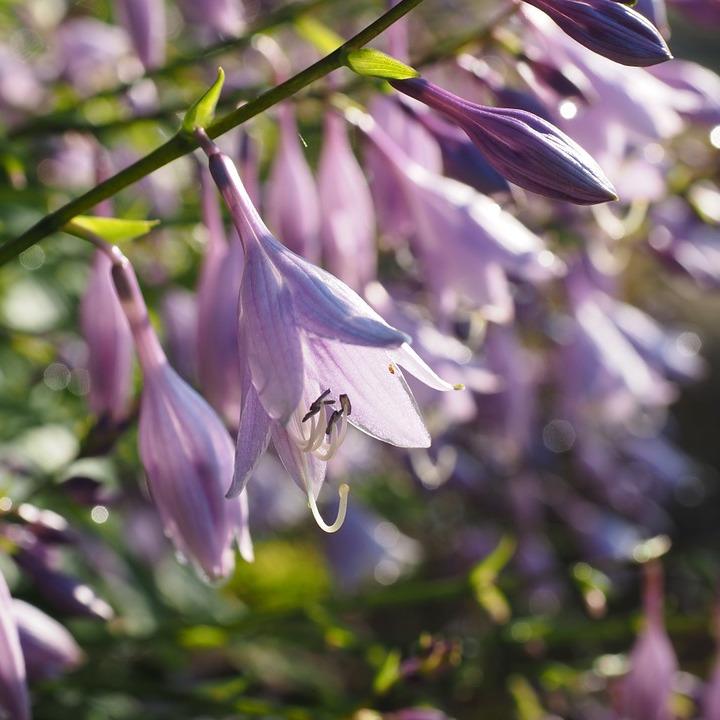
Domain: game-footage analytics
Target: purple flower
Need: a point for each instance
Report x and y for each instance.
(524, 148)
(13, 688)
(647, 688)
(226, 17)
(318, 358)
(185, 449)
(109, 342)
(179, 313)
(467, 245)
(347, 227)
(608, 28)
(48, 648)
(292, 201)
(218, 343)
(145, 22)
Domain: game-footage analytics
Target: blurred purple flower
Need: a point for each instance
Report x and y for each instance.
(646, 690)
(318, 357)
(13, 688)
(609, 28)
(145, 22)
(48, 648)
(347, 228)
(179, 311)
(218, 341)
(185, 449)
(107, 334)
(226, 17)
(292, 202)
(705, 13)
(522, 147)
(466, 243)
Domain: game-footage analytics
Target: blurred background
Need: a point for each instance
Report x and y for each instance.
(497, 575)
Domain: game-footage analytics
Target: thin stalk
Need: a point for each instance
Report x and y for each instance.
(182, 144)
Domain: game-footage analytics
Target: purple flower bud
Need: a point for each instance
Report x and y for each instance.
(647, 688)
(522, 147)
(49, 649)
(145, 22)
(226, 17)
(110, 352)
(292, 202)
(608, 28)
(348, 218)
(179, 312)
(185, 449)
(13, 688)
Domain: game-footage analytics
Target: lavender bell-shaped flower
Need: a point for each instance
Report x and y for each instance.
(292, 202)
(185, 449)
(318, 358)
(647, 688)
(524, 148)
(48, 648)
(14, 702)
(145, 22)
(608, 28)
(347, 227)
(218, 349)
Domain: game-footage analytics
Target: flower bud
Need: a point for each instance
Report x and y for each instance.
(14, 703)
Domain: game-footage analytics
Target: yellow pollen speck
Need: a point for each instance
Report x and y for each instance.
(458, 386)
(391, 369)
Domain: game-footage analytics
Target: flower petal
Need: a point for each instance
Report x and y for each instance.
(272, 336)
(407, 358)
(304, 468)
(382, 404)
(252, 441)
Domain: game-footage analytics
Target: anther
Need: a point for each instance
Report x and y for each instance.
(334, 418)
(317, 405)
(345, 404)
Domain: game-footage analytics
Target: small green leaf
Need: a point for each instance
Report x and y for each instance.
(202, 111)
(112, 230)
(373, 63)
(388, 673)
(318, 34)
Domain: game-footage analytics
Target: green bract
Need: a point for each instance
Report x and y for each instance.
(373, 63)
(202, 111)
(112, 230)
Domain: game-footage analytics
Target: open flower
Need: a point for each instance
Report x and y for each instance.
(318, 357)
(185, 449)
(522, 147)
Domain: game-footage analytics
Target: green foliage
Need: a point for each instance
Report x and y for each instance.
(202, 111)
(373, 63)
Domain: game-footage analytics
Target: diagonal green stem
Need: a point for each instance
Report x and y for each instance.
(181, 144)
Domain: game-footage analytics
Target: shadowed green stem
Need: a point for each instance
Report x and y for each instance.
(182, 144)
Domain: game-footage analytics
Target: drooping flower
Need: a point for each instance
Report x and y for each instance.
(218, 349)
(347, 227)
(647, 688)
(226, 17)
(185, 449)
(292, 202)
(145, 22)
(524, 148)
(318, 357)
(48, 648)
(14, 702)
(608, 28)
(466, 244)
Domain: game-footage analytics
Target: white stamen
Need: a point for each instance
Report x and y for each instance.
(343, 491)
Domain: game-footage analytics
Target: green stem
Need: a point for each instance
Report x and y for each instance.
(181, 144)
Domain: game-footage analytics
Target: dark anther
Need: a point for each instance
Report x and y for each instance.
(337, 414)
(317, 405)
(345, 404)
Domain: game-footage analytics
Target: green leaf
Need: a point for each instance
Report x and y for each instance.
(388, 673)
(112, 230)
(202, 111)
(373, 63)
(318, 34)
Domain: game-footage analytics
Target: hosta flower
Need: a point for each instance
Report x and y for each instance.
(292, 200)
(608, 28)
(109, 342)
(647, 688)
(347, 226)
(185, 449)
(524, 148)
(48, 648)
(14, 703)
(318, 358)
(145, 23)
